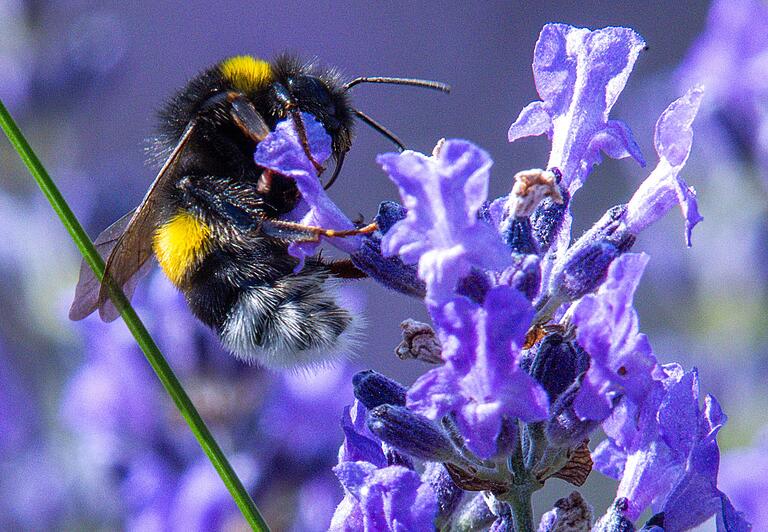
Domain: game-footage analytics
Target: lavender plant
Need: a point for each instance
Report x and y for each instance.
(534, 346)
(534, 341)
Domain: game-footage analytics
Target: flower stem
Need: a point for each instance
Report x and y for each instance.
(140, 333)
(522, 510)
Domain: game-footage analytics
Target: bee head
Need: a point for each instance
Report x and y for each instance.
(322, 97)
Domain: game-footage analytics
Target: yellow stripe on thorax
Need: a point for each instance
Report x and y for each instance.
(180, 243)
(246, 73)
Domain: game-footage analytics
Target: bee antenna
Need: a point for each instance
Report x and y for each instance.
(381, 129)
(425, 83)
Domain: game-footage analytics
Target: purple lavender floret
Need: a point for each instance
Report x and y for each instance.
(579, 75)
(607, 327)
(676, 468)
(378, 496)
(281, 151)
(391, 498)
(664, 189)
(441, 231)
(481, 381)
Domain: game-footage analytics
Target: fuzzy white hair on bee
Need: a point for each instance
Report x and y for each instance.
(299, 322)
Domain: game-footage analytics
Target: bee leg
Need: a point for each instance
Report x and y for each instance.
(247, 118)
(299, 123)
(223, 197)
(320, 231)
(284, 97)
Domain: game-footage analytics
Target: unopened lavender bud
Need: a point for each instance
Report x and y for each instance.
(390, 212)
(474, 286)
(586, 263)
(524, 275)
(518, 235)
(564, 427)
(392, 272)
(548, 218)
(419, 342)
(585, 270)
(614, 519)
(395, 457)
(556, 363)
(374, 389)
(410, 433)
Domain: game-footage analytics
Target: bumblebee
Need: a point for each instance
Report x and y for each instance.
(204, 217)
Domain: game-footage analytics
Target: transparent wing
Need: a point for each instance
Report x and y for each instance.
(127, 247)
(87, 291)
(134, 246)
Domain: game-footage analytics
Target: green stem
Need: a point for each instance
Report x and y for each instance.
(522, 510)
(140, 333)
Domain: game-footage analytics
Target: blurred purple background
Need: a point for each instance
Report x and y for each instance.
(84, 80)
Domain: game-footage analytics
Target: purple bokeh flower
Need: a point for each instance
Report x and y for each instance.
(730, 57)
(441, 231)
(16, 416)
(35, 489)
(743, 475)
(306, 403)
(146, 453)
(579, 74)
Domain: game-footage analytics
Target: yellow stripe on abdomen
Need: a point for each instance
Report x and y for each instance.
(180, 243)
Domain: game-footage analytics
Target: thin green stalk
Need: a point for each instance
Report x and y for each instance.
(522, 510)
(140, 333)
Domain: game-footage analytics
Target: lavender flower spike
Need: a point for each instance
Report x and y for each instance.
(579, 75)
(441, 230)
(663, 189)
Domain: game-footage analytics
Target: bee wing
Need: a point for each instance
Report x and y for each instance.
(128, 243)
(88, 286)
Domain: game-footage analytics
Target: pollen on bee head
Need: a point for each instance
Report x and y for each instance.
(246, 73)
